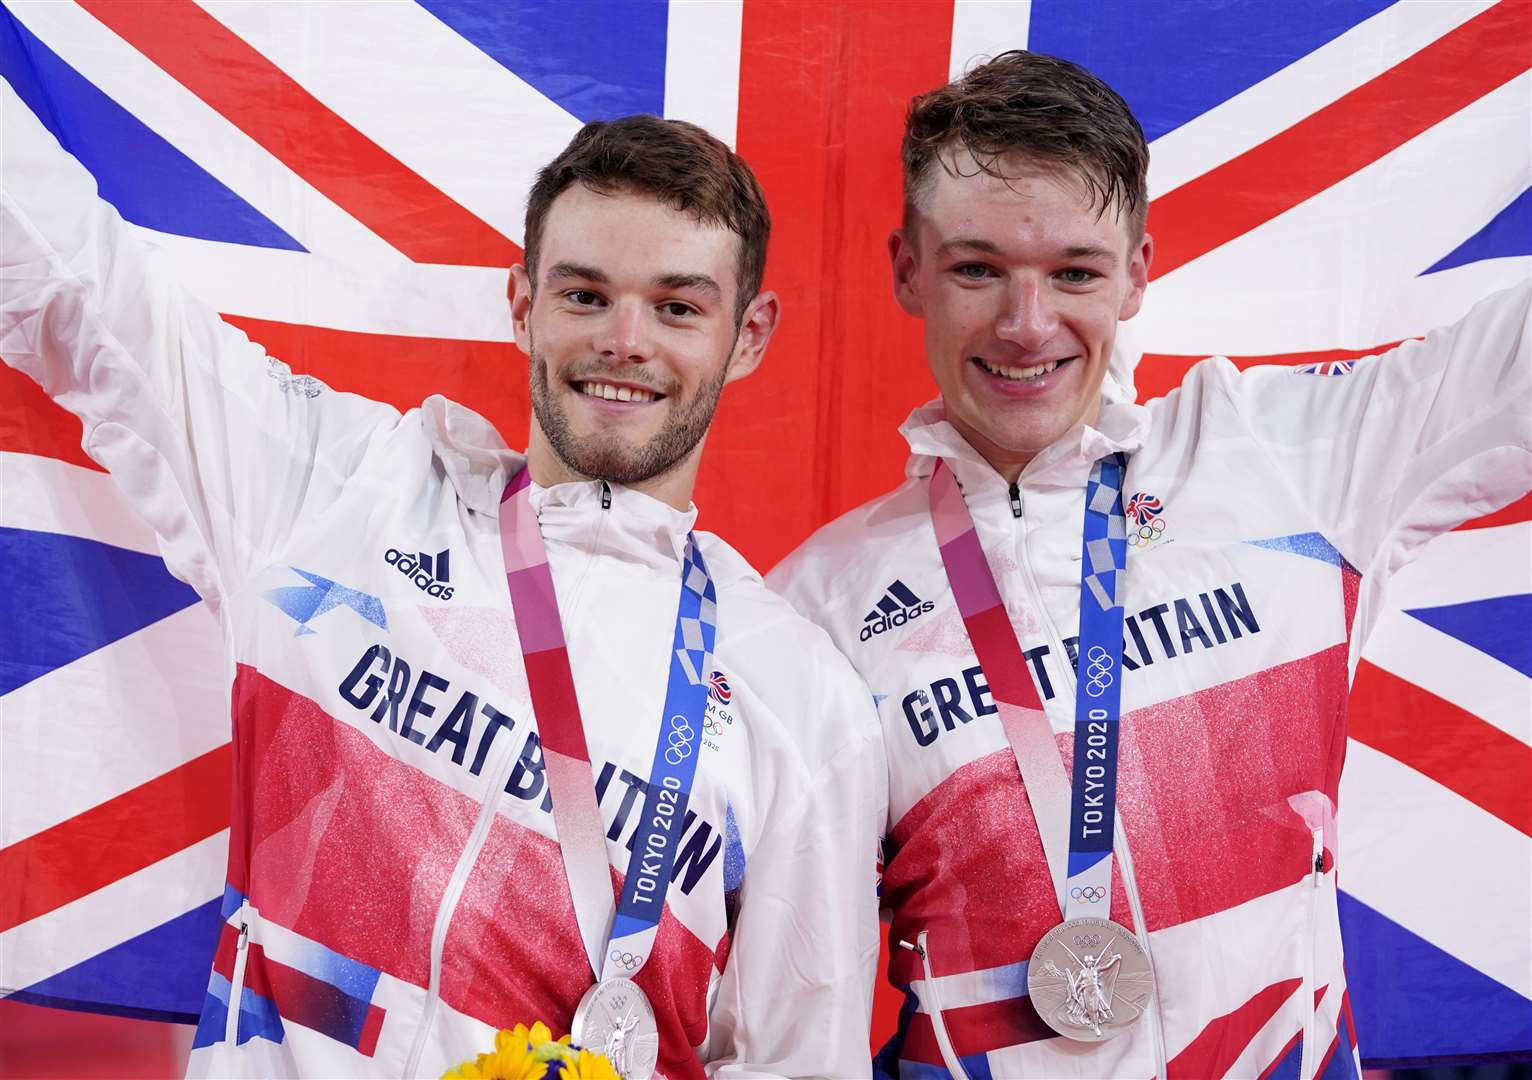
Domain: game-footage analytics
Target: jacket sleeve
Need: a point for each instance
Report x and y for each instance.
(1411, 442)
(795, 996)
(217, 446)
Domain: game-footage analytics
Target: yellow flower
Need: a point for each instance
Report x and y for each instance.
(589, 1066)
(512, 1059)
(523, 1053)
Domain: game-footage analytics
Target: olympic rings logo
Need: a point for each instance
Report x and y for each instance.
(712, 727)
(1087, 941)
(1098, 671)
(680, 747)
(625, 960)
(1147, 534)
(1091, 894)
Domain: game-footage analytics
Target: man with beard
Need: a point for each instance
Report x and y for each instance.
(513, 743)
(1076, 603)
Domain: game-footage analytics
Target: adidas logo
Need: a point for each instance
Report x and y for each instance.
(897, 606)
(430, 575)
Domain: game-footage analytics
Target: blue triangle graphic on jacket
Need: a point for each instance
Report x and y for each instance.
(1508, 234)
(1413, 999)
(598, 60)
(68, 596)
(1497, 626)
(159, 975)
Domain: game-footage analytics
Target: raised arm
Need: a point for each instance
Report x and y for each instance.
(1409, 443)
(218, 446)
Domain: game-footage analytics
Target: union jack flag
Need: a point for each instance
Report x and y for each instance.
(1326, 367)
(718, 687)
(345, 184)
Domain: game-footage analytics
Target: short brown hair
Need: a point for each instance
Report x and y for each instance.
(1040, 107)
(675, 162)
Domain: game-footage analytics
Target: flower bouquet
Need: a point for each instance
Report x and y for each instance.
(534, 1054)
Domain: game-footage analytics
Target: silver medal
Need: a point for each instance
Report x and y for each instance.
(1089, 980)
(615, 1018)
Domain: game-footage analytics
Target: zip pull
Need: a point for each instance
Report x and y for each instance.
(1016, 500)
(606, 495)
(917, 948)
(1319, 855)
(244, 936)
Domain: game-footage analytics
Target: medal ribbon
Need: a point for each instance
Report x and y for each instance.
(634, 921)
(1078, 847)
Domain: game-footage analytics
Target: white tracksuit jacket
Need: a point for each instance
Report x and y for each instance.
(392, 851)
(1268, 508)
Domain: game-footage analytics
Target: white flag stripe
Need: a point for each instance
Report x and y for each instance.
(47, 495)
(1448, 839)
(144, 704)
(412, 299)
(1350, 255)
(428, 96)
(200, 132)
(702, 42)
(984, 28)
(111, 915)
(1302, 88)
(1469, 565)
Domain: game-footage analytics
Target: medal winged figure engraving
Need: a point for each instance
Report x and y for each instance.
(1095, 989)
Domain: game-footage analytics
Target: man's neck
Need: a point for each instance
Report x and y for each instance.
(1008, 464)
(673, 487)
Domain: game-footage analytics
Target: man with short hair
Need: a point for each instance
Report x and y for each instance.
(512, 742)
(1111, 641)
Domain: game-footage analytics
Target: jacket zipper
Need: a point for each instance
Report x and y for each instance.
(933, 1001)
(1120, 841)
(449, 901)
(237, 978)
(1316, 879)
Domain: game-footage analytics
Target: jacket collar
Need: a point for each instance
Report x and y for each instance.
(1121, 426)
(636, 526)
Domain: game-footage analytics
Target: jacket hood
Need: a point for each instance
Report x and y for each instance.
(1121, 426)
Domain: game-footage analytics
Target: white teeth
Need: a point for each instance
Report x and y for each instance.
(608, 392)
(1018, 372)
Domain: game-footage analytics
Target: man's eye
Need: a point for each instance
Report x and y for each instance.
(973, 271)
(1078, 276)
(582, 297)
(677, 310)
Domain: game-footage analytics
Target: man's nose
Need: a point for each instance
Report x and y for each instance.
(1029, 319)
(624, 333)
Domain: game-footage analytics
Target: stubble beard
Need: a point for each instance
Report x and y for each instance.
(605, 455)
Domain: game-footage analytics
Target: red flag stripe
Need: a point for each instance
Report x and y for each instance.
(1344, 137)
(1514, 514)
(119, 837)
(1438, 739)
(404, 371)
(30, 423)
(261, 100)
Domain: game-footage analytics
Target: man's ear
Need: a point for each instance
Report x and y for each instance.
(755, 331)
(904, 262)
(1138, 277)
(519, 291)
